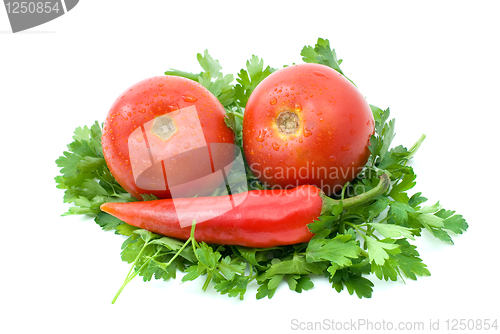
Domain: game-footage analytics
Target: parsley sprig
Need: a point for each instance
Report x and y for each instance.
(355, 241)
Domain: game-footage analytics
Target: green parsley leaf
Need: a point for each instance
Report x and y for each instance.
(398, 191)
(249, 79)
(452, 222)
(211, 78)
(388, 271)
(230, 268)
(299, 283)
(235, 287)
(234, 120)
(107, 221)
(378, 251)
(392, 231)
(399, 211)
(321, 53)
(85, 176)
(338, 250)
(296, 265)
(354, 283)
(265, 291)
(409, 261)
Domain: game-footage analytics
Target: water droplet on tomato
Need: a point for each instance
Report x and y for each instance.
(276, 146)
(329, 133)
(321, 119)
(186, 146)
(172, 106)
(346, 147)
(192, 125)
(332, 158)
(273, 101)
(320, 74)
(174, 161)
(298, 107)
(269, 155)
(261, 136)
(189, 97)
(139, 137)
(307, 132)
(160, 85)
(300, 140)
(142, 111)
(252, 152)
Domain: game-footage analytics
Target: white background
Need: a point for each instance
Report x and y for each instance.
(435, 64)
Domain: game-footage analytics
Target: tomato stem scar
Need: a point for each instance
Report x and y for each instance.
(164, 127)
(287, 122)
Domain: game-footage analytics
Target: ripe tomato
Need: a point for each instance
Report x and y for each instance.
(307, 124)
(158, 133)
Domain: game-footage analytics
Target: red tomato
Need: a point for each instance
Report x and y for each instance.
(157, 135)
(307, 124)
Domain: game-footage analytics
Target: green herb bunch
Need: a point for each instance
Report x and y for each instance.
(352, 245)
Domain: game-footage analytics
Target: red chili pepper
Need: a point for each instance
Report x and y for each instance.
(264, 218)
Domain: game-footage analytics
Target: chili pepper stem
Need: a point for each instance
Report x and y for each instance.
(382, 186)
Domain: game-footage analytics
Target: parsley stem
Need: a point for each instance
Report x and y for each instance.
(128, 198)
(207, 281)
(362, 263)
(130, 277)
(355, 216)
(415, 147)
(357, 228)
(385, 218)
(179, 251)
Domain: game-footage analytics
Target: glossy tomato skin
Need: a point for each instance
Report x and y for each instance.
(140, 105)
(333, 125)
